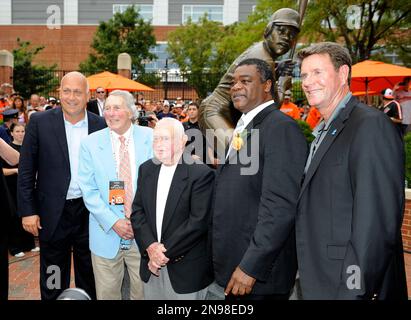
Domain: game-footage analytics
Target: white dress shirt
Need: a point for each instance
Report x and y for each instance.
(248, 117)
(100, 105)
(75, 133)
(165, 178)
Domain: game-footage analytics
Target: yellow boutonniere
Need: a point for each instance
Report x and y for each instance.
(238, 141)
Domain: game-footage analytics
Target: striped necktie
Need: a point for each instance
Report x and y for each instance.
(125, 175)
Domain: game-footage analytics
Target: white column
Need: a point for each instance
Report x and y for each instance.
(231, 11)
(70, 12)
(160, 13)
(5, 12)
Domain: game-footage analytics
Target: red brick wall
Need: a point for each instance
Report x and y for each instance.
(67, 46)
(406, 225)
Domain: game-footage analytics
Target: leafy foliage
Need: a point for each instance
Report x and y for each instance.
(125, 32)
(407, 145)
(364, 26)
(193, 48)
(29, 78)
(305, 128)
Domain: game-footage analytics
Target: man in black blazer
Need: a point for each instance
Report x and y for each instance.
(97, 105)
(171, 218)
(256, 193)
(350, 209)
(49, 198)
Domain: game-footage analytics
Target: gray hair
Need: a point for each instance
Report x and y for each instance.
(128, 99)
(78, 74)
(174, 124)
(338, 54)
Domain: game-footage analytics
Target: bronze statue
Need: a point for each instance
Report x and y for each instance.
(217, 111)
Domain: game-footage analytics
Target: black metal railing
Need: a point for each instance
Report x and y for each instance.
(169, 86)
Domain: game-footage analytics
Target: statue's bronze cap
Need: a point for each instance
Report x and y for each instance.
(286, 17)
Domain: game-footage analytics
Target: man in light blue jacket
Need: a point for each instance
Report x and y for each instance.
(109, 161)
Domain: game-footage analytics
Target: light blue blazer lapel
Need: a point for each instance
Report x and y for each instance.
(105, 153)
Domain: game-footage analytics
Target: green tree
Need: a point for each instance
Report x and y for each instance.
(365, 27)
(407, 146)
(125, 32)
(193, 47)
(29, 78)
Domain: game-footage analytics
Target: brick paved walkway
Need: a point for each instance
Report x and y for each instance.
(407, 258)
(24, 276)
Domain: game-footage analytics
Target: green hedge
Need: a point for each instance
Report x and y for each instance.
(305, 128)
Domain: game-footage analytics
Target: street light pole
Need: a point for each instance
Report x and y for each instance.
(166, 82)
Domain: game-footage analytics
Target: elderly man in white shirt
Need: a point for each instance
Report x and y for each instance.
(171, 216)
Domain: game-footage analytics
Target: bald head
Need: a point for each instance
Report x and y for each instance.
(169, 141)
(74, 96)
(78, 75)
(34, 100)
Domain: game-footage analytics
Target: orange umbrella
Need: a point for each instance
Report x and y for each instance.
(363, 93)
(111, 81)
(375, 76)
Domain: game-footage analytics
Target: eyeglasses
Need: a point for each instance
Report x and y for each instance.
(100, 91)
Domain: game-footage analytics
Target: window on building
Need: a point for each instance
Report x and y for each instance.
(160, 50)
(146, 10)
(195, 12)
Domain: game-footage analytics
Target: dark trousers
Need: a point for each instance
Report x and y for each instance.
(19, 239)
(70, 237)
(4, 268)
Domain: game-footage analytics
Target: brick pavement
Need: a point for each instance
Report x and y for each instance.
(24, 276)
(407, 258)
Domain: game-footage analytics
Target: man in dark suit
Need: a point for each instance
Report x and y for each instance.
(97, 105)
(171, 217)
(256, 193)
(351, 204)
(49, 198)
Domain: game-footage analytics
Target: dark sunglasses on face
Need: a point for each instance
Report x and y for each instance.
(100, 91)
